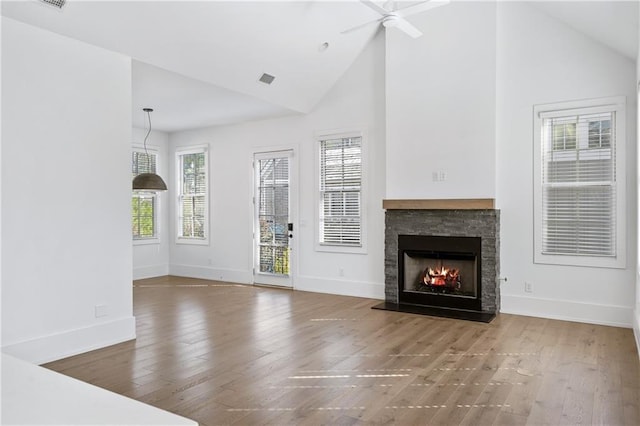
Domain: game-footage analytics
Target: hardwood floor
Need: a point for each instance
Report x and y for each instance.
(222, 353)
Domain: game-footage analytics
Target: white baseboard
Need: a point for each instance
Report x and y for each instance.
(210, 273)
(591, 313)
(150, 271)
(304, 283)
(73, 342)
(342, 287)
(636, 327)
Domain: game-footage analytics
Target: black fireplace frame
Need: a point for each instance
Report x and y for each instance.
(445, 247)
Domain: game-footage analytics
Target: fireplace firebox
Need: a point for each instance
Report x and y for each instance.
(440, 271)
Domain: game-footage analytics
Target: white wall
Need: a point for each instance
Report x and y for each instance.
(356, 102)
(441, 105)
(1, 173)
(636, 312)
(540, 60)
(66, 243)
(151, 258)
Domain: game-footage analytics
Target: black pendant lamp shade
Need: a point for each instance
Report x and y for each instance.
(149, 182)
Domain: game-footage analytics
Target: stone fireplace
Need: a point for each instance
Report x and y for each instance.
(442, 254)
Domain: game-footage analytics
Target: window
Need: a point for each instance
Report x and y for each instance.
(192, 167)
(340, 219)
(143, 204)
(580, 190)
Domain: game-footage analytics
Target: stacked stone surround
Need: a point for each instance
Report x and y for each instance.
(449, 223)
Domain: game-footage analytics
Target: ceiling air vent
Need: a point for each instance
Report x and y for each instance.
(55, 3)
(266, 78)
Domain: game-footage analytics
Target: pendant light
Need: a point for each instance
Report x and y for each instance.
(150, 182)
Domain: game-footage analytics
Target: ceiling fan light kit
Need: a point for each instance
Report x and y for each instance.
(394, 17)
(390, 21)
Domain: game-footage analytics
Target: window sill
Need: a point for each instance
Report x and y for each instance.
(327, 248)
(584, 261)
(193, 241)
(146, 241)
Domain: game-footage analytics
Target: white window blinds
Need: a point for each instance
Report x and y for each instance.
(192, 199)
(340, 191)
(143, 205)
(579, 184)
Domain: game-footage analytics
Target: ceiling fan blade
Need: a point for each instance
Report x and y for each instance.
(406, 27)
(350, 30)
(420, 7)
(371, 5)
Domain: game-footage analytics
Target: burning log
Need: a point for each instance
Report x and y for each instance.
(442, 277)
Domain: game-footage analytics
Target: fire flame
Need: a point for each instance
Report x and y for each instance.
(441, 276)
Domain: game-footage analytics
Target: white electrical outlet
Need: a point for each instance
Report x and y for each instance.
(528, 287)
(101, 311)
(341, 272)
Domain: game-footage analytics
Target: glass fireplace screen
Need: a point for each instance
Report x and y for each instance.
(445, 274)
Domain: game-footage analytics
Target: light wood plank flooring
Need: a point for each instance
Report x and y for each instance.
(221, 353)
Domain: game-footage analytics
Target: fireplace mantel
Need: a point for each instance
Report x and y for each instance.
(443, 204)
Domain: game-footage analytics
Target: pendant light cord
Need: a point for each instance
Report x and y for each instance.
(146, 154)
(148, 132)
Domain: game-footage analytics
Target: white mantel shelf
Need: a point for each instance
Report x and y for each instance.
(444, 204)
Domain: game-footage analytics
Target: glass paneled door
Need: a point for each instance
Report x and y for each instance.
(273, 228)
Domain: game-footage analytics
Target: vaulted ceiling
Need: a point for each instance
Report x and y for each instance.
(198, 63)
(612, 23)
(211, 54)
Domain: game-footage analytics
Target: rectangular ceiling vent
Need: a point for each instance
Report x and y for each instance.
(55, 3)
(266, 78)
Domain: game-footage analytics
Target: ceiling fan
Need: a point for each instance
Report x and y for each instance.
(392, 17)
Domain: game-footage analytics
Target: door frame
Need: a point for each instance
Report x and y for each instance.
(259, 278)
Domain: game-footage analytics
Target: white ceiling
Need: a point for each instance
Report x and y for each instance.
(612, 23)
(214, 52)
(181, 102)
(197, 63)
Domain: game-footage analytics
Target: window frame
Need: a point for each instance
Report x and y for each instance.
(197, 149)
(152, 150)
(333, 247)
(617, 105)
